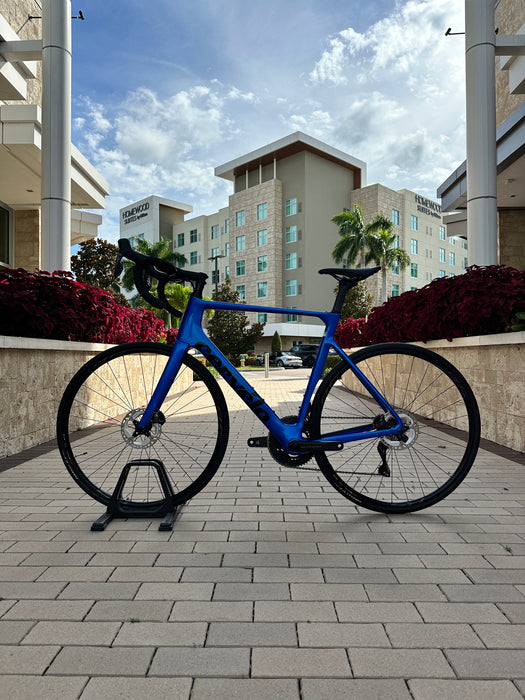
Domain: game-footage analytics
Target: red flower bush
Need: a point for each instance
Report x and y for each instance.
(481, 301)
(43, 305)
(171, 335)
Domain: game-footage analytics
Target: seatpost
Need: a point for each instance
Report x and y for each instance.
(341, 295)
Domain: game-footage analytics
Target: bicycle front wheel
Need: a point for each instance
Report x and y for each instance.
(97, 417)
(398, 474)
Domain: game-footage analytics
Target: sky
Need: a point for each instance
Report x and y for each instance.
(166, 90)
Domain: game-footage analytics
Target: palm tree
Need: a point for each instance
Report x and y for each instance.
(352, 230)
(382, 249)
(159, 249)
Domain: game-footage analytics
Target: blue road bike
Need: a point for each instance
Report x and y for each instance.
(393, 427)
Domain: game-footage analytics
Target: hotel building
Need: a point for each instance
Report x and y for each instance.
(275, 234)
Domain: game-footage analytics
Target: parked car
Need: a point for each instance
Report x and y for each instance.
(308, 353)
(281, 358)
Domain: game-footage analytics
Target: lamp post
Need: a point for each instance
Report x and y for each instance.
(216, 271)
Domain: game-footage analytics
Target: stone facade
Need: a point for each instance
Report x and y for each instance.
(16, 13)
(494, 366)
(511, 224)
(27, 239)
(33, 376)
(509, 16)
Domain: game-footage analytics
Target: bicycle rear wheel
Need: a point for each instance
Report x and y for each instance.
(442, 428)
(97, 417)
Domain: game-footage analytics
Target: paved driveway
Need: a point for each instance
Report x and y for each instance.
(270, 585)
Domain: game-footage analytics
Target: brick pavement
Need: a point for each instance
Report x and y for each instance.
(271, 585)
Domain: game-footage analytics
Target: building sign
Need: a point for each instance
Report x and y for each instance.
(136, 213)
(427, 206)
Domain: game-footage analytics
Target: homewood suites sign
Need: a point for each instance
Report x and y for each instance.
(427, 206)
(136, 213)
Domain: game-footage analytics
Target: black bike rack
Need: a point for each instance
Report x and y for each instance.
(168, 510)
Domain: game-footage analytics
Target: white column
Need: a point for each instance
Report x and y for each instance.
(56, 134)
(480, 40)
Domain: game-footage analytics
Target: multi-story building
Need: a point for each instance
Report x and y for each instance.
(276, 232)
(21, 148)
(421, 233)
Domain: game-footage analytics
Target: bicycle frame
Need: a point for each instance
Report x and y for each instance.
(191, 335)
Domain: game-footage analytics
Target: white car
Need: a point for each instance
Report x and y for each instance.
(281, 359)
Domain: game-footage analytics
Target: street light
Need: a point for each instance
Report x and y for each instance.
(216, 257)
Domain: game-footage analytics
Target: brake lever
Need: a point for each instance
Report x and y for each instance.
(119, 268)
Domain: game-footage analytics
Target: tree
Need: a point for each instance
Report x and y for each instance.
(383, 250)
(358, 302)
(231, 330)
(354, 234)
(95, 263)
(276, 342)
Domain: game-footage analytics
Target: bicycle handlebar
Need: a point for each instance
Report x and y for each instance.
(147, 266)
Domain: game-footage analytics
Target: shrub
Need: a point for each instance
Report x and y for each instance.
(171, 335)
(481, 301)
(43, 305)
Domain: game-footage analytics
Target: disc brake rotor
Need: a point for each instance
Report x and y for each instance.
(127, 429)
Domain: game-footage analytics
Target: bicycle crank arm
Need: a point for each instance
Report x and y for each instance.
(258, 441)
(314, 446)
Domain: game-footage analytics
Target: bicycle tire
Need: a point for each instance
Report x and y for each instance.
(95, 427)
(442, 432)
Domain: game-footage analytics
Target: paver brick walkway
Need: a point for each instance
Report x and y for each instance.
(270, 585)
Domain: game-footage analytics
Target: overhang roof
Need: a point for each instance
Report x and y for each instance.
(20, 160)
(510, 155)
(288, 146)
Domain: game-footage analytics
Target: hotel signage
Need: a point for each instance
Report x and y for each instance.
(427, 206)
(136, 213)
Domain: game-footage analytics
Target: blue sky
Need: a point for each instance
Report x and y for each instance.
(165, 91)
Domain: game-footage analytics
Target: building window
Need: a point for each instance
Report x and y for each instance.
(227, 249)
(262, 263)
(240, 243)
(291, 318)
(395, 268)
(193, 236)
(215, 231)
(240, 267)
(241, 289)
(396, 242)
(452, 258)
(395, 217)
(226, 226)
(465, 262)
(413, 270)
(442, 273)
(215, 252)
(291, 206)
(227, 272)
(441, 255)
(262, 318)
(262, 237)
(262, 290)
(441, 233)
(239, 218)
(193, 257)
(262, 211)
(413, 246)
(290, 234)
(395, 290)
(413, 222)
(291, 288)
(290, 261)
(180, 240)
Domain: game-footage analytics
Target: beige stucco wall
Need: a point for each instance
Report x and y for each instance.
(33, 376)
(494, 366)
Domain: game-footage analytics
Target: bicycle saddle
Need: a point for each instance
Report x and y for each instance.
(352, 276)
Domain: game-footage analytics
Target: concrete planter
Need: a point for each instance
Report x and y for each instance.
(494, 366)
(33, 376)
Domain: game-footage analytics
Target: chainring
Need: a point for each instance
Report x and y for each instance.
(280, 455)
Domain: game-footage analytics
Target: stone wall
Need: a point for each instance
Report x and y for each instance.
(33, 376)
(494, 366)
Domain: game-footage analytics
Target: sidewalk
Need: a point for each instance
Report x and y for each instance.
(270, 585)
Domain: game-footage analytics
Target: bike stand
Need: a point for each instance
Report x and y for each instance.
(167, 511)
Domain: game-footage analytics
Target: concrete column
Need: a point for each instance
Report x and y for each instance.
(480, 41)
(56, 134)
